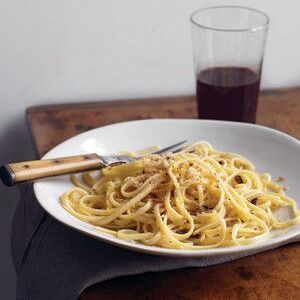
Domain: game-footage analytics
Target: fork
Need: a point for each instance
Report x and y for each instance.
(21, 172)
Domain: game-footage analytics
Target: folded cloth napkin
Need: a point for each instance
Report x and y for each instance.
(56, 262)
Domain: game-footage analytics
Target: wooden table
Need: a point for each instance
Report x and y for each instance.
(274, 274)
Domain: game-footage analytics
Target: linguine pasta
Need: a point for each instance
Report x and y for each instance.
(195, 199)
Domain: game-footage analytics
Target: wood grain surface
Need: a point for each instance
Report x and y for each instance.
(273, 274)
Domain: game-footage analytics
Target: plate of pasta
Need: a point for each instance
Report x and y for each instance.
(233, 187)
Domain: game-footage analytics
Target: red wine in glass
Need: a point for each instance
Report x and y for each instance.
(228, 93)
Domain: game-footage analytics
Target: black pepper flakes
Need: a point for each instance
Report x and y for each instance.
(206, 207)
(197, 236)
(238, 179)
(182, 231)
(254, 201)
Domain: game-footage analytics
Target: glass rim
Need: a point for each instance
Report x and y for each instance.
(252, 28)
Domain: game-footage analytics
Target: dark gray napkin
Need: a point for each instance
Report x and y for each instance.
(55, 262)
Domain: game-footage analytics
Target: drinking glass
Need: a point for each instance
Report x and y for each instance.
(228, 46)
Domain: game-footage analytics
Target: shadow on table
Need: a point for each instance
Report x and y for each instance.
(15, 145)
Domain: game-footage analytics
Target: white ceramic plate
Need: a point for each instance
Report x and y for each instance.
(270, 150)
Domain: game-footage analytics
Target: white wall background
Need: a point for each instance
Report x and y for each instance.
(76, 50)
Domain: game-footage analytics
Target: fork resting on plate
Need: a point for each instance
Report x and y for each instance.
(21, 172)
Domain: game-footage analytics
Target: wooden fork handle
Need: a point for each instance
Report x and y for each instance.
(19, 172)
